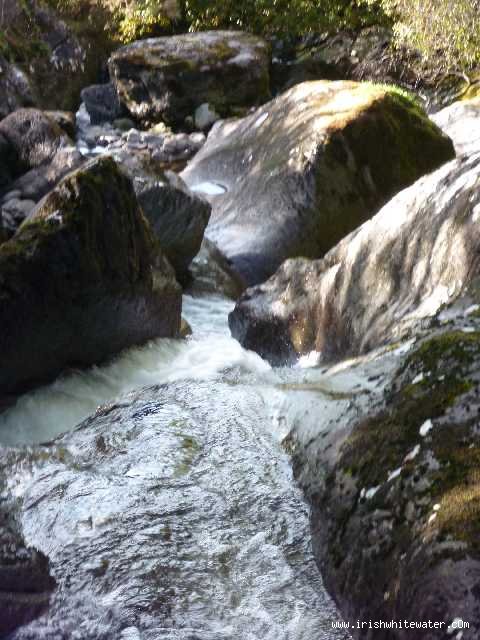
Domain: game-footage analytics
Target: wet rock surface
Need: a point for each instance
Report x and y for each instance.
(167, 79)
(152, 523)
(82, 279)
(416, 254)
(307, 168)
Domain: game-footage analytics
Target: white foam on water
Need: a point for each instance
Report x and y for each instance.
(209, 188)
(53, 409)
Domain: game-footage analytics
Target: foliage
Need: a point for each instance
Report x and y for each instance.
(294, 17)
(140, 18)
(445, 32)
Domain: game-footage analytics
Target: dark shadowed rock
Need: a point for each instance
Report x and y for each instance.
(309, 167)
(29, 188)
(167, 79)
(66, 120)
(82, 279)
(177, 216)
(35, 153)
(101, 102)
(25, 581)
(15, 89)
(8, 162)
(415, 255)
(212, 273)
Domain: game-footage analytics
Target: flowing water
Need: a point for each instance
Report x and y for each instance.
(172, 513)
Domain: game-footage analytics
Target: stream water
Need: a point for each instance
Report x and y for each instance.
(173, 513)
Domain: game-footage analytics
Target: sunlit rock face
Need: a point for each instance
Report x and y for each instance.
(415, 255)
(309, 167)
(167, 79)
(394, 489)
(82, 279)
(460, 123)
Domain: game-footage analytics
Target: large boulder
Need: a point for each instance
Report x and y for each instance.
(415, 255)
(177, 216)
(386, 451)
(167, 79)
(101, 102)
(34, 138)
(309, 167)
(82, 279)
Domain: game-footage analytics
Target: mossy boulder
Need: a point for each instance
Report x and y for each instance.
(396, 512)
(47, 60)
(34, 138)
(167, 79)
(82, 279)
(418, 253)
(309, 167)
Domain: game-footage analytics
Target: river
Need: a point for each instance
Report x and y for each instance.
(185, 521)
